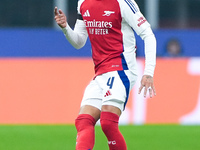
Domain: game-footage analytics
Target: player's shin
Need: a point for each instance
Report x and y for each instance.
(85, 132)
(109, 124)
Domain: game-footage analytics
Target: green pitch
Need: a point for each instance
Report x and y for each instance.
(63, 137)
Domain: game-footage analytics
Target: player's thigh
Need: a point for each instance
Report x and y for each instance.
(92, 100)
(110, 108)
(91, 110)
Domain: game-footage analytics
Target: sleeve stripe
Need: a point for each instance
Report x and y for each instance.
(132, 6)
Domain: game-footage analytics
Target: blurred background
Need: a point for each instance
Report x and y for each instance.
(34, 13)
(40, 80)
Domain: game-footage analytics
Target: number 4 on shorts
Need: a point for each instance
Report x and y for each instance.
(110, 82)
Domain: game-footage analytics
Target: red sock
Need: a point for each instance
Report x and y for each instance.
(109, 124)
(85, 132)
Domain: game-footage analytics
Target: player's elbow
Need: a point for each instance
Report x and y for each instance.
(148, 33)
(78, 46)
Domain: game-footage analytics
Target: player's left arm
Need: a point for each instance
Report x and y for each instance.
(147, 81)
(133, 16)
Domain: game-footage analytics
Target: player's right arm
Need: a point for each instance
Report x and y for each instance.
(76, 37)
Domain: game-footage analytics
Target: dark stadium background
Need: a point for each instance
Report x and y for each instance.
(28, 27)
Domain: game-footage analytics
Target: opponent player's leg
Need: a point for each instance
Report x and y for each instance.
(86, 120)
(118, 88)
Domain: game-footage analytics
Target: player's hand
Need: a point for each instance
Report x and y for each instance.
(60, 18)
(148, 85)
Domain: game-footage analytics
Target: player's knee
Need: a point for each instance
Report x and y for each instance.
(85, 132)
(84, 121)
(113, 105)
(105, 126)
(109, 122)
